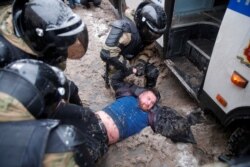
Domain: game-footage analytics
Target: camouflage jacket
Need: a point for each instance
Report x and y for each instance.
(7, 31)
(13, 110)
(146, 54)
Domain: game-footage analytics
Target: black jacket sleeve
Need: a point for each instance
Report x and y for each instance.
(123, 88)
(169, 123)
(117, 80)
(70, 111)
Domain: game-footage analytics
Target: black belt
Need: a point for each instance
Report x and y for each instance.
(103, 128)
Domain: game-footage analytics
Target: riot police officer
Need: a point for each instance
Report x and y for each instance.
(133, 41)
(45, 30)
(29, 90)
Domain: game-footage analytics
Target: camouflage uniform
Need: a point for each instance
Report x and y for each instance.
(6, 31)
(13, 110)
(17, 49)
(124, 44)
(37, 127)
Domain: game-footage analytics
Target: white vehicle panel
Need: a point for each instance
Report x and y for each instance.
(232, 39)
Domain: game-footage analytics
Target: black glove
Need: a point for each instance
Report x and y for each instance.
(151, 71)
(105, 55)
(170, 123)
(71, 93)
(140, 69)
(151, 74)
(129, 56)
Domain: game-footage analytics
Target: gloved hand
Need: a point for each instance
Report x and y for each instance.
(170, 123)
(151, 74)
(151, 71)
(140, 69)
(129, 56)
(105, 55)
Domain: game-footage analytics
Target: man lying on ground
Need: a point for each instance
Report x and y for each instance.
(72, 135)
(131, 112)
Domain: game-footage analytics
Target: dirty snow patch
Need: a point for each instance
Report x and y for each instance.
(184, 157)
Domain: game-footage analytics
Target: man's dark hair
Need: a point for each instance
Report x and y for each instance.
(155, 92)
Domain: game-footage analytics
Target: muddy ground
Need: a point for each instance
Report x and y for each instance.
(145, 149)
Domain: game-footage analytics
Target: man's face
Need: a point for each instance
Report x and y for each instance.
(147, 100)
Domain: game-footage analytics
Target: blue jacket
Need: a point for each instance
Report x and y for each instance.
(127, 115)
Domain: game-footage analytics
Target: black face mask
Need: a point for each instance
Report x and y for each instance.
(79, 47)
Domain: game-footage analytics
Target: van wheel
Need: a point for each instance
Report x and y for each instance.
(239, 142)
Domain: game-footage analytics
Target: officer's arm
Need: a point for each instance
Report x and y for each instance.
(114, 61)
(70, 111)
(117, 80)
(142, 59)
(123, 88)
(146, 60)
(146, 54)
(117, 39)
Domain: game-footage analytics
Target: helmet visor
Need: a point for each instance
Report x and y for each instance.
(79, 47)
(155, 29)
(149, 36)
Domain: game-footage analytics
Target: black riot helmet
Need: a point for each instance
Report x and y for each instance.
(50, 29)
(151, 21)
(38, 86)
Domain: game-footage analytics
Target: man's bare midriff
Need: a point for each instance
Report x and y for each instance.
(112, 130)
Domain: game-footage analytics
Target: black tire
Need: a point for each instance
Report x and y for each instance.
(239, 142)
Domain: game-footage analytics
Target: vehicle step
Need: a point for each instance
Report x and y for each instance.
(198, 51)
(188, 74)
